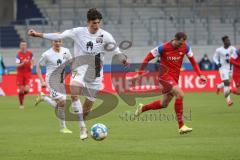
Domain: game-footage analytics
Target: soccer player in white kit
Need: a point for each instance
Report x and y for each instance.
(52, 59)
(90, 40)
(222, 60)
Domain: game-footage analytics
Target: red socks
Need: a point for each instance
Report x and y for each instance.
(152, 106)
(179, 111)
(21, 98)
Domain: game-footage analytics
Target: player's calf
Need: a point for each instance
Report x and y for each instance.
(87, 107)
(154, 105)
(21, 96)
(61, 115)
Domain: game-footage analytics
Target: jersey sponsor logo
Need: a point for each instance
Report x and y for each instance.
(59, 62)
(89, 45)
(173, 58)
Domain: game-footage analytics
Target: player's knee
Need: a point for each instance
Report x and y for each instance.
(165, 104)
(76, 88)
(180, 95)
(74, 98)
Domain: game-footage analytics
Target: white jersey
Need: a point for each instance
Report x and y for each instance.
(86, 43)
(222, 56)
(52, 60)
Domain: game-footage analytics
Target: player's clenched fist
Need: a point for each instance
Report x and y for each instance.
(34, 33)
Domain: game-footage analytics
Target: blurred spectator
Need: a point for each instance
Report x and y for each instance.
(205, 64)
(2, 70)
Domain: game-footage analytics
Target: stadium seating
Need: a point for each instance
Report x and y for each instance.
(8, 37)
(144, 22)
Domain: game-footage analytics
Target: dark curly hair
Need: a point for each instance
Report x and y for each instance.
(181, 35)
(93, 14)
(224, 38)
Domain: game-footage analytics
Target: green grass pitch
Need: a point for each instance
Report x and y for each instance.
(33, 133)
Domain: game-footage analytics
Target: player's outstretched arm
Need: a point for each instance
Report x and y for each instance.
(52, 36)
(197, 69)
(145, 62)
(141, 73)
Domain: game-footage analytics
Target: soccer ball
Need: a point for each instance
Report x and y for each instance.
(99, 132)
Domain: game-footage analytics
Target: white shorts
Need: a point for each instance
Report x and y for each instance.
(225, 74)
(91, 87)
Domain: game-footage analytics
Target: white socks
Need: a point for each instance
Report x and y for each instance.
(61, 116)
(226, 90)
(77, 108)
(50, 101)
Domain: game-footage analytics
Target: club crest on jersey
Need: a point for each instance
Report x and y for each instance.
(89, 45)
(99, 39)
(64, 55)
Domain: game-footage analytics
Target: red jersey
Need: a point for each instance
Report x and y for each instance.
(236, 69)
(172, 57)
(26, 68)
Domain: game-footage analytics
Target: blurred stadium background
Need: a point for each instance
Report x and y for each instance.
(144, 22)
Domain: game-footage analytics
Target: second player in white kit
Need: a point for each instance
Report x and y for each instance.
(222, 60)
(52, 61)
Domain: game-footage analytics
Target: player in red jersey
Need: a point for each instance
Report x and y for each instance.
(171, 54)
(24, 61)
(235, 61)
